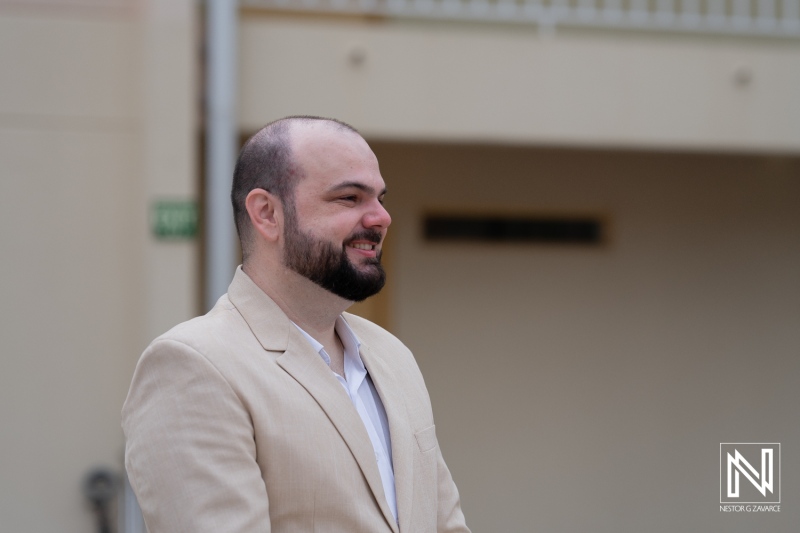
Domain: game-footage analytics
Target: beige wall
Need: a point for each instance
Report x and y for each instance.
(503, 83)
(96, 121)
(588, 389)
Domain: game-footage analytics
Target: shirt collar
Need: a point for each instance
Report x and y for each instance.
(350, 342)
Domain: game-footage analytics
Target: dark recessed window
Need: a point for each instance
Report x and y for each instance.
(531, 229)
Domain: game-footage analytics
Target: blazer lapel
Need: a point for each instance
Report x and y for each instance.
(308, 368)
(275, 332)
(400, 432)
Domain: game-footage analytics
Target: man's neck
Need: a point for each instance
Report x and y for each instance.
(306, 304)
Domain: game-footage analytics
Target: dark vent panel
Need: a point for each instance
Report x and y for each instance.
(508, 229)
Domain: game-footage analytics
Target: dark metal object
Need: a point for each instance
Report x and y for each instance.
(100, 487)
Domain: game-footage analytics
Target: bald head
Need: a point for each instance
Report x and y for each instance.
(267, 161)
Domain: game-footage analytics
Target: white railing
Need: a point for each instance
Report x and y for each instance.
(769, 18)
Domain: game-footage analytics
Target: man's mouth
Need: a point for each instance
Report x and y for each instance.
(365, 241)
(362, 246)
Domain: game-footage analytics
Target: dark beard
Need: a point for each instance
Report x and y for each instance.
(331, 269)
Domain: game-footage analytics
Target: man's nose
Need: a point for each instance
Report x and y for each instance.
(377, 217)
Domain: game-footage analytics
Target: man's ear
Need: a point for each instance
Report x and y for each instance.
(265, 212)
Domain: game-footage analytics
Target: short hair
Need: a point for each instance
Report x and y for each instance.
(266, 162)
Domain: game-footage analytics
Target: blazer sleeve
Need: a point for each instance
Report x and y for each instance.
(190, 451)
(450, 517)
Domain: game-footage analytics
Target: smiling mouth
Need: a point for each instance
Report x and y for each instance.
(363, 246)
(365, 241)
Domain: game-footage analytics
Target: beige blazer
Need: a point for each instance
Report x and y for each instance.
(234, 424)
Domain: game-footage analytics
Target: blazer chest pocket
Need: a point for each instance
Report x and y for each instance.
(426, 439)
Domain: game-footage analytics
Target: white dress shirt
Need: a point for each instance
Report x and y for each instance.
(362, 393)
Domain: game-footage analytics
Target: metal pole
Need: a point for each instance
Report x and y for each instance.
(221, 145)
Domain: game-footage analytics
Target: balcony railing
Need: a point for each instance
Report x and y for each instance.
(768, 18)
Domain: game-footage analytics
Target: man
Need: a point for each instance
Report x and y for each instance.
(277, 411)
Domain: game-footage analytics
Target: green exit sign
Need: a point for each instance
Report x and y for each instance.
(174, 219)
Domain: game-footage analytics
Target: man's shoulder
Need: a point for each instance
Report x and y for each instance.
(214, 330)
(382, 343)
(371, 333)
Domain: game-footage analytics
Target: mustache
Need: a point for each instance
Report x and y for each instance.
(371, 235)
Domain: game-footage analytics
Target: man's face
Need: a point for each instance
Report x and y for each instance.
(327, 265)
(335, 223)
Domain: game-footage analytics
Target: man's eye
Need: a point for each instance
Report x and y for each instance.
(351, 198)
